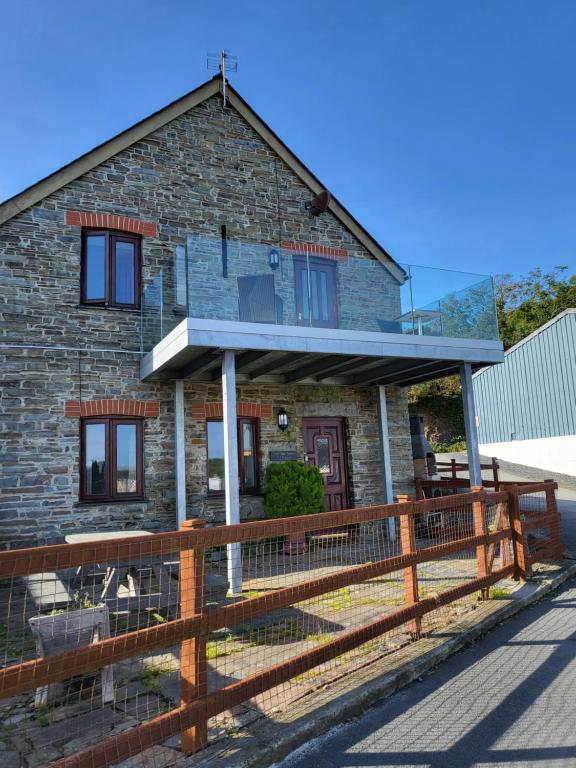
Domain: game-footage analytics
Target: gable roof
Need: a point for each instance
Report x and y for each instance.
(103, 152)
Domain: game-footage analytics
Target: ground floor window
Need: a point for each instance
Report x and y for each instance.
(248, 464)
(111, 459)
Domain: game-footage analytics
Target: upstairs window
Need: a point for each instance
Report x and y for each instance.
(110, 269)
(248, 467)
(111, 459)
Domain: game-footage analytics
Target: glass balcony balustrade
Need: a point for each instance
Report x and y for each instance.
(256, 283)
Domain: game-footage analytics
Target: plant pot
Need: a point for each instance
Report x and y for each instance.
(295, 544)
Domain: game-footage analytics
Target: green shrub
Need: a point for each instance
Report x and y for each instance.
(293, 488)
(457, 445)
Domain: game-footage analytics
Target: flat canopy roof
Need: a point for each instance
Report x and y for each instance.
(291, 354)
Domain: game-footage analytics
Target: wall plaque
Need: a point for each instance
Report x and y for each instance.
(283, 455)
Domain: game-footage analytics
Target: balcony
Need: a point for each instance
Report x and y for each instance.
(300, 313)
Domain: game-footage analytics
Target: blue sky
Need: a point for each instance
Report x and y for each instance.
(447, 128)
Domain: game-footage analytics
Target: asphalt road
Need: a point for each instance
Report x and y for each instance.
(509, 700)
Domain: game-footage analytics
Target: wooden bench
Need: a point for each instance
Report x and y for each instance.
(65, 631)
(47, 591)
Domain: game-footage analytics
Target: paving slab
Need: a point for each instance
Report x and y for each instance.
(98, 721)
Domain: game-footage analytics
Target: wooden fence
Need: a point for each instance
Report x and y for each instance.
(453, 467)
(508, 531)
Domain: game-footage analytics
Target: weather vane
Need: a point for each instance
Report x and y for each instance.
(224, 63)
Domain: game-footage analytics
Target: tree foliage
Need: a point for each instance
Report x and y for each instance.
(525, 304)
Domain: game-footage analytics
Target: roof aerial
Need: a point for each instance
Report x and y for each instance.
(224, 63)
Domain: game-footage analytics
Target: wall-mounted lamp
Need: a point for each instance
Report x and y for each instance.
(282, 420)
(274, 258)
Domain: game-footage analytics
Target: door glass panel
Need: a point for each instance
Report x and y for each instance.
(304, 288)
(126, 477)
(247, 448)
(323, 455)
(215, 456)
(314, 293)
(124, 277)
(95, 460)
(95, 267)
(324, 295)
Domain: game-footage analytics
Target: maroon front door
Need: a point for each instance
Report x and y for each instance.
(325, 447)
(316, 294)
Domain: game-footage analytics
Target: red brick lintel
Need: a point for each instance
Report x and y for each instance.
(214, 410)
(314, 250)
(142, 408)
(111, 221)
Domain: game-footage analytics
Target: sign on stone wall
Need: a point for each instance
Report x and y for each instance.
(283, 455)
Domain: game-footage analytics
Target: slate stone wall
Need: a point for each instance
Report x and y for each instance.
(357, 407)
(205, 169)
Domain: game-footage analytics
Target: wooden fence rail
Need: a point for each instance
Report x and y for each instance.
(453, 466)
(510, 527)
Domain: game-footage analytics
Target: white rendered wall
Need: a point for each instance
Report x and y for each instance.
(558, 454)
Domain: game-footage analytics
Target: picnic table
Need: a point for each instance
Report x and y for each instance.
(129, 586)
(150, 583)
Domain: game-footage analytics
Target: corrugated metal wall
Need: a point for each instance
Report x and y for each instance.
(533, 393)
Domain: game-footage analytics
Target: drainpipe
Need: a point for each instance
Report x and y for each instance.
(385, 457)
(180, 449)
(470, 425)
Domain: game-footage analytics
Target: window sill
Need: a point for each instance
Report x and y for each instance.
(109, 502)
(215, 495)
(106, 307)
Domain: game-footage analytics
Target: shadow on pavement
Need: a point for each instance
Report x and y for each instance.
(508, 700)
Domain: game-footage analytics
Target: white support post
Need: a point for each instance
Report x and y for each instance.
(232, 487)
(180, 450)
(470, 425)
(385, 457)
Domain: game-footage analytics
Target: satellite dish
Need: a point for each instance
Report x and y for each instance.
(319, 204)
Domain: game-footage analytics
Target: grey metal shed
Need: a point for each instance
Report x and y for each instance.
(532, 394)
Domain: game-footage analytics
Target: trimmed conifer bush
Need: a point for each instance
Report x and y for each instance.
(293, 488)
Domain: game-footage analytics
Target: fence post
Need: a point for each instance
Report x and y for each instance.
(193, 671)
(506, 523)
(495, 475)
(522, 569)
(454, 473)
(479, 513)
(408, 544)
(554, 526)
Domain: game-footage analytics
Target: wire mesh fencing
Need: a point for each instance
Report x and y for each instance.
(537, 508)
(112, 646)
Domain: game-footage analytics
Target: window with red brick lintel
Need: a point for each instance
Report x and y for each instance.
(111, 447)
(111, 257)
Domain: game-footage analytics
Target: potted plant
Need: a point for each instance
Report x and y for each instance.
(293, 489)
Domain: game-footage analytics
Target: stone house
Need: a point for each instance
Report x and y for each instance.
(184, 304)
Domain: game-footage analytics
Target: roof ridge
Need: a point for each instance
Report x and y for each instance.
(102, 152)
